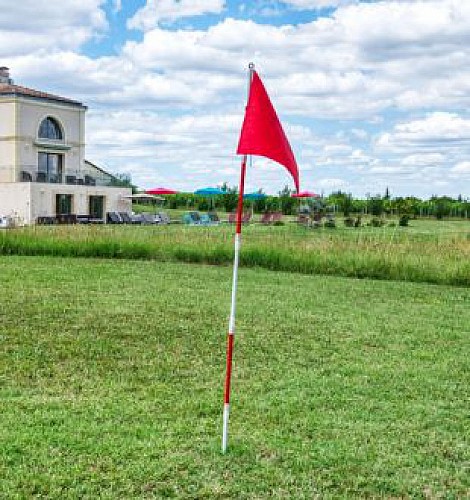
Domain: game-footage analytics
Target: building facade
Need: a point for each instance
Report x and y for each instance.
(43, 171)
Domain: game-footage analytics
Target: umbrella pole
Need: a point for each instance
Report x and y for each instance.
(231, 328)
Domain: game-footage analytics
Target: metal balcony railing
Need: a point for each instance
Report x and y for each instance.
(84, 177)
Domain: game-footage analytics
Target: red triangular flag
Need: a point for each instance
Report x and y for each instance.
(262, 133)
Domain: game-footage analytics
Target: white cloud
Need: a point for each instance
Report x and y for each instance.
(425, 155)
(359, 133)
(157, 11)
(331, 184)
(185, 149)
(425, 159)
(30, 26)
(180, 94)
(367, 58)
(317, 4)
(390, 170)
(437, 131)
(461, 168)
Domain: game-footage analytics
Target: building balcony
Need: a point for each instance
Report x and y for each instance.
(71, 178)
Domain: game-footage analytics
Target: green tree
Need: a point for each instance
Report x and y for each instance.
(229, 199)
(376, 205)
(287, 203)
(343, 202)
(442, 206)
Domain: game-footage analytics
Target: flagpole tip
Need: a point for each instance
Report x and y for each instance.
(251, 66)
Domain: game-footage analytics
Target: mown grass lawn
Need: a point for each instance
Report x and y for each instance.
(111, 377)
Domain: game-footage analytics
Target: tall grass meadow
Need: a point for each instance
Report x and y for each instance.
(390, 253)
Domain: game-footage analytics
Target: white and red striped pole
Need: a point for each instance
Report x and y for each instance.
(233, 308)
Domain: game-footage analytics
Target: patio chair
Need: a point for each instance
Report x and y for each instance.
(148, 218)
(330, 221)
(209, 219)
(113, 218)
(204, 220)
(266, 218)
(192, 218)
(316, 220)
(246, 217)
(276, 217)
(303, 220)
(214, 218)
(137, 219)
(125, 217)
(164, 218)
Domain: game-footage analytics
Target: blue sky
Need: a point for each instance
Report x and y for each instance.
(371, 94)
(264, 12)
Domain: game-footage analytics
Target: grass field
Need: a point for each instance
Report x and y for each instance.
(111, 375)
(428, 251)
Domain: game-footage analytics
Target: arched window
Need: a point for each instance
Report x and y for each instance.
(50, 129)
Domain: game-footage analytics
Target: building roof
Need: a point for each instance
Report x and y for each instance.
(93, 165)
(19, 91)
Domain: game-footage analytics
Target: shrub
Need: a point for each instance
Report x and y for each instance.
(404, 220)
(330, 223)
(376, 222)
(349, 222)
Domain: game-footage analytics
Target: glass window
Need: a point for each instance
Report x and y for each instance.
(96, 207)
(50, 129)
(63, 204)
(50, 167)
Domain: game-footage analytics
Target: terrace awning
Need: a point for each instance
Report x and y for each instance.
(143, 196)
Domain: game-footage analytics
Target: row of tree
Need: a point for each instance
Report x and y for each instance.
(436, 206)
(339, 201)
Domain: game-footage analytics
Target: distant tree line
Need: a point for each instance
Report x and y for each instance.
(336, 202)
(344, 203)
(436, 206)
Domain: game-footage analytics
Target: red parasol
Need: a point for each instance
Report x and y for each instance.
(160, 191)
(305, 194)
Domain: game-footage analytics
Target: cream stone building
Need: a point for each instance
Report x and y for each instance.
(43, 171)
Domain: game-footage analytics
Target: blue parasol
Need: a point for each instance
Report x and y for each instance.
(254, 196)
(209, 191)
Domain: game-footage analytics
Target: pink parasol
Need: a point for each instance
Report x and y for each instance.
(160, 191)
(305, 194)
